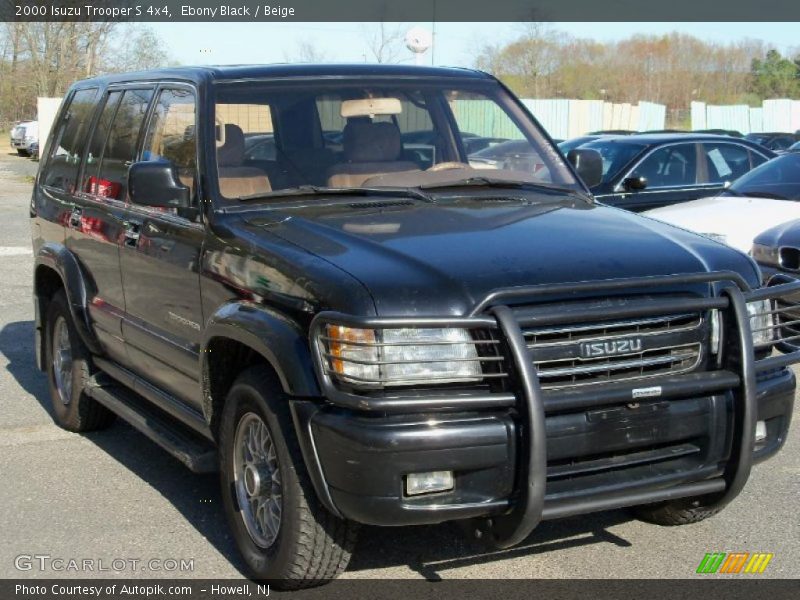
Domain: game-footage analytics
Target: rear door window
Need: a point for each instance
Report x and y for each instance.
(726, 162)
(69, 141)
(90, 180)
(120, 149)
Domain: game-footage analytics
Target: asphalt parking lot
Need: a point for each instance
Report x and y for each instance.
(114, 494)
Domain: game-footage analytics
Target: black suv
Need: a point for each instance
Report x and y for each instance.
(353, 331)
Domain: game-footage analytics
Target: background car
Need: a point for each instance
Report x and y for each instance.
(765, 197)
(478, 143)
(24, 135)
(514, 155)
(646, 171)
(259, 146)
(576, 142)
(778, 250)
(775, 141)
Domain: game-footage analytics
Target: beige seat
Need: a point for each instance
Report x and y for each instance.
(235, 179)
(370, 149)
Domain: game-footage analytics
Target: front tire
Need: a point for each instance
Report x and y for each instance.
(69, 367)
(22, 152)
(676, 512)
(283, 532)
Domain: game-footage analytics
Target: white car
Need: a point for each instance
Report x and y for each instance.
(24, 136)
(763, 198)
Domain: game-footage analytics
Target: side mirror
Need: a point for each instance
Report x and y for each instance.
(589, 165)
(156, 184)
(634, 184)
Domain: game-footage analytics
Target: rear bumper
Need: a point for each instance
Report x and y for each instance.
(21, 144)
(362, 461)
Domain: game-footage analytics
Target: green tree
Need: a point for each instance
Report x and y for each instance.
(775, 76)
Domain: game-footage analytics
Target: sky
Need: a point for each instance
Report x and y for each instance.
(455, 44)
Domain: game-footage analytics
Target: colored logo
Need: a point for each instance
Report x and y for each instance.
(734, 562)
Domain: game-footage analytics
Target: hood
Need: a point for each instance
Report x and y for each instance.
(442, 258)
(785, 234)
(732, 219)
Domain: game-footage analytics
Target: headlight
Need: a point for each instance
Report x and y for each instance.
(766, 255)
(761, 322)
(400, 357)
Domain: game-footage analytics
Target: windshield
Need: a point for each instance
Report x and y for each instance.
(276, 137)
(616, 155)
(779, 178)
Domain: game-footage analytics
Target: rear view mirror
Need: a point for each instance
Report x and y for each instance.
(369, 107)
(634, 184)
(589, 165)
(156, 184)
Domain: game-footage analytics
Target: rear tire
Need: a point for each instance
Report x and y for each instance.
(69, 367)
(296, 542)
(22, 152)
(676, 512)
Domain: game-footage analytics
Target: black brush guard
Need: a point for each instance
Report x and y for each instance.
(729, 292)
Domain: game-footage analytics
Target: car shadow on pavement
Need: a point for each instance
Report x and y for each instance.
(16, 344)
(429, 551)
(196, 497)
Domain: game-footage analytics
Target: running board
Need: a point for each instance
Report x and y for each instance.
(191, 449)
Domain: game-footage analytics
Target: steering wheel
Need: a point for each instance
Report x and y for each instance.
(447, 166)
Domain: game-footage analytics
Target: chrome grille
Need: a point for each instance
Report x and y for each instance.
(787, 324)
(626, 350)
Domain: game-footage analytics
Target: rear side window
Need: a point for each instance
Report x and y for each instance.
(91, 182)
(726, 162)
(119, 152)
(69, 141)
(171, 136)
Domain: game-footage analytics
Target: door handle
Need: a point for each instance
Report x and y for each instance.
(75, 218)
(132, 233)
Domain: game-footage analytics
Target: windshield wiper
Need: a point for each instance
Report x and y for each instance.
(502, 183)
(314, 190)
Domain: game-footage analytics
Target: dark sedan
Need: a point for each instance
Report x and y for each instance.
(577, 142)
(775, 141)
(778, 250)
(642, 172)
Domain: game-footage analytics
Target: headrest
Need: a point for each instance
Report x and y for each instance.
(365, 141)
(231, 153)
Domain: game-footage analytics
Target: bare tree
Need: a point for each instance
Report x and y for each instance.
(43, 59)
(385, 42)
(672, 69)
(306, 52)
(142, 49)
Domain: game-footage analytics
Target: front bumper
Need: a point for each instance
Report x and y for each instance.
(365, 459)
(537, 455)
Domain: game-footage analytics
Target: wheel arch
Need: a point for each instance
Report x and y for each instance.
(56, 268)
(239, 335)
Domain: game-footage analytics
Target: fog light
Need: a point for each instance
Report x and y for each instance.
(761, 431)
(426, 483)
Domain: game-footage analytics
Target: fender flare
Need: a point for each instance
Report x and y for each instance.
(58, 258)
(273, 335)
